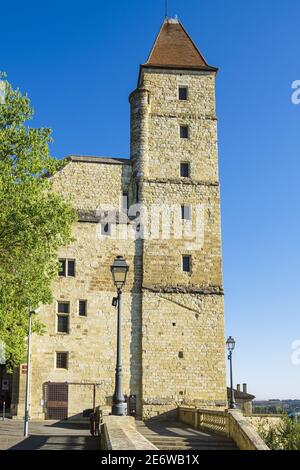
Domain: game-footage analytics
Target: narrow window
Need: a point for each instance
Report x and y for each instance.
(62, 324)
(186, 212)
(184, 170)
(71, 267)
(137, 193)
(105, 229)
(67, 268)
(184, 132)
(61, 360)
(125, 203)
(183, 93)
(186, 264)
(63, 310)
(82, 308)
(62, 270)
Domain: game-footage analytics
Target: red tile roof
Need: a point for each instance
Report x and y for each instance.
(174, 48)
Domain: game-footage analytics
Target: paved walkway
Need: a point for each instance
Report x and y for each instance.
(47, 435)
(177, 436)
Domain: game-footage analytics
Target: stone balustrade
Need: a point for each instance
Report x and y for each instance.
(228, 422)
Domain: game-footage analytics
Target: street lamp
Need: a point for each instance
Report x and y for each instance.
(230, 343)
(27, 397)
(119, 271)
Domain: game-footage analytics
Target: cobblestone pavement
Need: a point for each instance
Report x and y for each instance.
(47, 435)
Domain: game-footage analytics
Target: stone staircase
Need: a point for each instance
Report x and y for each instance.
(172, 435)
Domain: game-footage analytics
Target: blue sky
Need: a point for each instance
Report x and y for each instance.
(79, 62)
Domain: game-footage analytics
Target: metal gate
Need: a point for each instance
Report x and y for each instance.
(56, 400)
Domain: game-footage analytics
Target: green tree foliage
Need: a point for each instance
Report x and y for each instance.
(34, 221)
(268, 410)
(284, 437)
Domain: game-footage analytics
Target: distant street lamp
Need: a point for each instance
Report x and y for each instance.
(27, 397)
(119, 271)
(230, 343)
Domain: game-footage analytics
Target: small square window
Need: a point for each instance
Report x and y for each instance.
(184, 170)
(180, 355)
(183, 93)
(186, 212)
(82, 308)
(71, 267)
(184, 132)
(63, 307)
(62, 269)
(62, 324)
(61, 360)
(105, 230)
(67, 268)
(186, 264)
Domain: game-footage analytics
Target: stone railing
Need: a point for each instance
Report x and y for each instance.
(119, 433)
(215, 421)
(243, 433)
(229, 422)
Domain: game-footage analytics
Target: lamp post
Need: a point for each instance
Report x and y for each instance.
(230, 343)
(119, 271)
(27, 397)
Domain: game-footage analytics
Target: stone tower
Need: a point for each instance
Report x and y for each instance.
(173, 322)
(174, 157)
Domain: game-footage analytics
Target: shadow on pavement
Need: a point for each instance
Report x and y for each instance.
(71, 434)
(58, 443)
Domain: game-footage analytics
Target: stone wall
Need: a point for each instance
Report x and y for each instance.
(89, 185)
(187, 324)
(264, 422)
(173, 323)
(183, 324)
(91, 342)
(156, 116)
(162, 258)
(244, 406)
